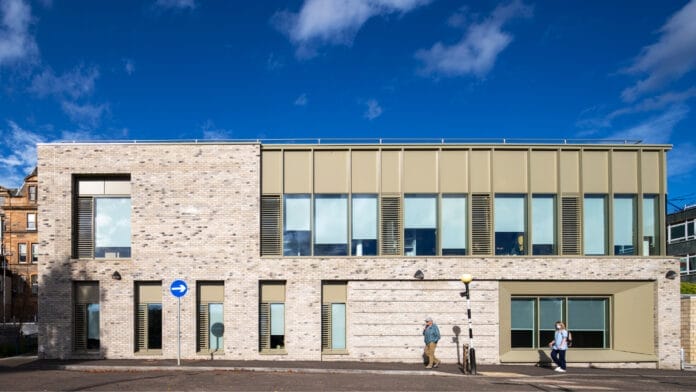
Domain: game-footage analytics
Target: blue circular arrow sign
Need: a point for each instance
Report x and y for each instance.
(178, 288)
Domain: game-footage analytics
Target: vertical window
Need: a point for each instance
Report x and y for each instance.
(297, 230)
(34, 253)
(330, 225)
(594, 225)
(272, 317)
(420, 224)
(31, 221)
(32, 193)
(624, 225)
(523, 322)
(34, 284)
(509, 225)
(453, 217)
(650, 224)
(148, 333)
(86, 316)
(102, 219)
(333, 317)
(211, 324)
(543, 225)
(22, 248)
(550, 311)
(588, 320)
(364, 225)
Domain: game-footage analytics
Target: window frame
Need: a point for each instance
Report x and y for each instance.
(29, 221)
(22, 257)
(524, 246)
(604, 225)
(32, 193)
(34, 252)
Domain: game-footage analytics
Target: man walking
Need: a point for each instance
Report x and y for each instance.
(431, 333)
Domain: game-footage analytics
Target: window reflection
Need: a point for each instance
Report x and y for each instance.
(510, 235)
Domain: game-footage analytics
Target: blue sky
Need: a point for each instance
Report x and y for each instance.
(197, 69)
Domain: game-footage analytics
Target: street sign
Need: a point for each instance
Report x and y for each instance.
(178, 288)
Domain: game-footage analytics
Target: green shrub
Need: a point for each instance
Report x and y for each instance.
(688, 288)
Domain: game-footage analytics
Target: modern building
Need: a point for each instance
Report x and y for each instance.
(681, 240)
(20, 250)
(339, 252)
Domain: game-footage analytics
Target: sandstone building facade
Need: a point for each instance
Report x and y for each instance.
(339, 252)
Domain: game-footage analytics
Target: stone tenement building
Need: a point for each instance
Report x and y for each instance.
(20, 249)
(339, 252)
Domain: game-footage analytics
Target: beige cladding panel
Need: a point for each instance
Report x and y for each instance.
(510, 171)
(212, 292)
(149, 292)
(91, 187)
(634, 329)
(117, 187)
(331, 171)
(334, 292)
(273, 292)
(624, 171)
(298, 172)
(87, 292)
(391, 171)
(595, 171)
(420, 171)
(364, 172)
(650, 171)
(480, 171)
(272, 172)
(453, 171)
(543, 171)
(570, 171)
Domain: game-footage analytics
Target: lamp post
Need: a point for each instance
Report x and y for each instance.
(471, 352)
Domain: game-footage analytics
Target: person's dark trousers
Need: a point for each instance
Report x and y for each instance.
(558, 357)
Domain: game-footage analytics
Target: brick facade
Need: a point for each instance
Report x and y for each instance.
(195, 216)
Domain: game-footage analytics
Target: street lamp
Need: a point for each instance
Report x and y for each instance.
(471, 353)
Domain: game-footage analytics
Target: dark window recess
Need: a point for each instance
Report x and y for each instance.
(522, 339)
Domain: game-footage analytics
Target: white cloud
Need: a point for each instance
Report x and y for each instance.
(671, 57)
(373, 109)
(301, 100)
(129, 66)
(17, 44)
(19, 157)
(655, 103)
(85, 115)
(657, 129)
(212, 132)
(476, 52)
(76, 83)
(176, 4)
(334, 22)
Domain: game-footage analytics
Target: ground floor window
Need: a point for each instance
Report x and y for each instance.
(148, 317)
(533, 320)
(86, 316)
(272, 317)
(210, 318)
(333, 317)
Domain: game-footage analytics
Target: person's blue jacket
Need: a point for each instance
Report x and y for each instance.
(431, 334)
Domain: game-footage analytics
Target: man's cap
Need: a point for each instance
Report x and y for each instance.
(428, 319)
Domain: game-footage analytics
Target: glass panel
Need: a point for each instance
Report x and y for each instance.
(22, 253)
(650, 239)
(154, 326)
(453, 216)
(692, 263)
(112, 227)
(216, 326)
(522, 322)
(543, 225)
(296, 234)
(677, 232)
(34, 253)
(509, 225)
(338, 326)
(92, 326)
(691, 226)
(550, 311)
(624, 225)
(364, 225)
(420, 223)
(277, 326)
(31, 221)
(587, 320)
(594, 225)
(330, 225)
(683, 264)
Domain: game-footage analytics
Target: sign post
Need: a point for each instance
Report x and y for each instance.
(178, 288)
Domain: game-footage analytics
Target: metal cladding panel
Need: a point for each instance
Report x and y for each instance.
(272, 292)
(624, 171)
(570, 171)
(510, 171)
(211, 292)
(391, 171)
(544, 171)
(454, 171)
(331, 172)
(149, 292)
(420, 171)
(595, 171)
(272, 172)
(364, 172)
(298, 172)
(650, 171)
(480, 170)
(334, 292)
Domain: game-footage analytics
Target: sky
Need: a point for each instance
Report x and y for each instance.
(214, 69)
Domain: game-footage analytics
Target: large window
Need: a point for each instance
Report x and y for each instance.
(333, 317)
(211, 324)
(297, 222)
(420, 225)
(594, 229)
(624, 225)
(86, 316)
(330, 225)
(31, 221)
(682, 231)
(533, 320)
(453, 217)
(103, 219)
(364, 225)
(543, 225)
(651, 223)
(22, 252)
(510, 234)
(272, 317)
(148, 333)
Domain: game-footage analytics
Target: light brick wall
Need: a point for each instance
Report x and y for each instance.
(195, 216)
(688, 327)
